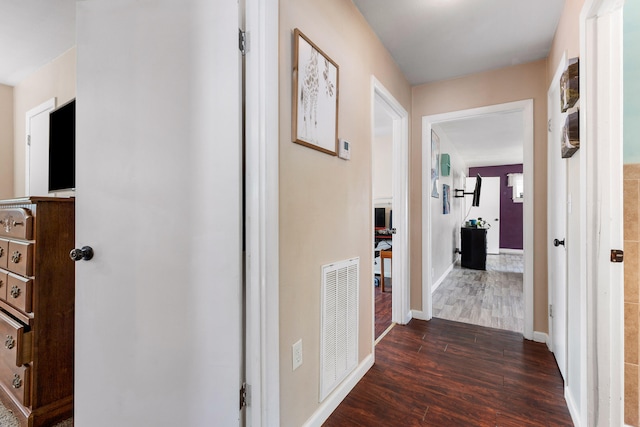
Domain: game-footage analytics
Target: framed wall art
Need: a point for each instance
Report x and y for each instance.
(446, 201)
(315, 97)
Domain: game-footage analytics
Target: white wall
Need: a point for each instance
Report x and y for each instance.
(445, 229)
(382, 167)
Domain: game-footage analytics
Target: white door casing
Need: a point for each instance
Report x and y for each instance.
(159, 200)
(37, 149)
(401, 312)
(557, 225)
(601, 133)
(526, 106)
(488, 209)
(262, 228)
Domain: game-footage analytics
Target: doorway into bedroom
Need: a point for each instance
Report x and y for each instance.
(382, 154)
(389, 211)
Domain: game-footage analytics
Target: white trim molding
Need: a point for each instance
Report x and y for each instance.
(262, 231)
(444, 276)
(541, 337)
(337, 396)
(512, 251)
(601, 110)
(400, 313)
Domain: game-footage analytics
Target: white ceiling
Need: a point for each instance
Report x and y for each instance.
(33, 33)
(433, 40)
(488, 140)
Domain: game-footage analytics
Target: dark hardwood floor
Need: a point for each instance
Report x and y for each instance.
(383, 307)
(445, 373)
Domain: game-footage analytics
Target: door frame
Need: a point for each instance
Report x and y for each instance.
(400, 312)
(526, 106)
(262, 224)
(47, 106)
(601, 130)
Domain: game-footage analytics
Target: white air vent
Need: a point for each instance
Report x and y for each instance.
(339, 323)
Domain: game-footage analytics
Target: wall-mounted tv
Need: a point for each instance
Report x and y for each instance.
(62, 148)
(476, 191)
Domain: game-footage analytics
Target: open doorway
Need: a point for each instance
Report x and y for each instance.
(390, 140)
(510, 261)
(382, 154)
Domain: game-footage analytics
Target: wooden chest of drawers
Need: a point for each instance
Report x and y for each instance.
(37, 288)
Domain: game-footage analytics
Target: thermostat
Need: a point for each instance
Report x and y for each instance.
(344, 152)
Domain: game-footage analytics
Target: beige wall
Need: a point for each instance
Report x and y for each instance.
(57, 80)
(527, 81)
(567, 37)
(6, 141)
(382, 167)
(325, 202)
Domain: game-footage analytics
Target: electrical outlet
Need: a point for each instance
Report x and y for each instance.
(296, 350)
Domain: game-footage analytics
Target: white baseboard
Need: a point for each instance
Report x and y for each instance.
(541, 337)
(420, 315)
(407, 317)
(337, 396)
(571, 406)
(441, 279)
(512, 251)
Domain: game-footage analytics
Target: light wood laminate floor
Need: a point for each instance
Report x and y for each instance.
(492, 298)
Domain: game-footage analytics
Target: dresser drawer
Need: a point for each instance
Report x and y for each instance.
(17, 380)
(4, 250)
(20, 258)
(16, 223)
(4, 277)
(15, 343)
(19, 292)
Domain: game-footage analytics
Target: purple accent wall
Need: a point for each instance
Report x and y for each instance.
(511, 222)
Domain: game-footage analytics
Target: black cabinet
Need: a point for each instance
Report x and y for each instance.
(474, 248)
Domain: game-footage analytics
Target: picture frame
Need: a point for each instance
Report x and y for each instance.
(435, 163)
(446, 201)
(315, 96)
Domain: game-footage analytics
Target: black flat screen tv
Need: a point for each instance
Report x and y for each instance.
(62, 148)
(476, 191)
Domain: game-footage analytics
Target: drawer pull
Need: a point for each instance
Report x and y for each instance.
(9, 223)
(15, 257)
(10, 342)
(1, 283)
(1, 252)
(17, 381)
(15, 291)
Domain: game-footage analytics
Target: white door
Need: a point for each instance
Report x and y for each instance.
(395, 116)
(158, 308)
(489, 209)
(557, 228)
(37, 161)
